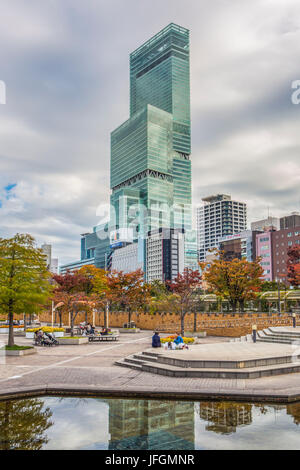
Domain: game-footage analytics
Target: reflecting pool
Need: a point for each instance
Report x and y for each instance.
(118, 424)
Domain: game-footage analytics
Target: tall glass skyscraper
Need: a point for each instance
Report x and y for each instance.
(150, 152)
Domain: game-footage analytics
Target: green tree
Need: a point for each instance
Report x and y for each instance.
(24, 279)
(23, 424)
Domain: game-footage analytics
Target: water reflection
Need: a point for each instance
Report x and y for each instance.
(225, 417)
(23, 424)
(146, 424)
(87, 423)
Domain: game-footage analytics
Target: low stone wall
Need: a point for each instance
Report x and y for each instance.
(232, 325)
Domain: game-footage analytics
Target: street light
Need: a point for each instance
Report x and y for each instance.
(294, 319)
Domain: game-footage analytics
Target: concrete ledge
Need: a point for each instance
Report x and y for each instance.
(74, 341)
(20, 352)
(129, 330)
(115, 392)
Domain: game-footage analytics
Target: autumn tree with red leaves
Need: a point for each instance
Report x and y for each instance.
(293, 265)
(184, 286)
(70, 292)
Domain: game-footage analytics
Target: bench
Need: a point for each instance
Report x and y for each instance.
(103, 338)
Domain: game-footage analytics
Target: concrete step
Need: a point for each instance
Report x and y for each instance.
(282, 332)
(143, 357)
(249, 373)
(122, 363)
(132, 360)
(274, 340)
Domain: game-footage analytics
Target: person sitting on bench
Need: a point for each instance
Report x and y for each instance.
(156, 340)
(104, 331)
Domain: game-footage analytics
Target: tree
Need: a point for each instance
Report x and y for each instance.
(23, 424)
(24, 279)
(184, 286)
(70, 292)
(236, 280)
(128, 290)
(293, 265)
(95, 287)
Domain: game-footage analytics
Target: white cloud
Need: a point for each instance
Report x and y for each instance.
(65, 65)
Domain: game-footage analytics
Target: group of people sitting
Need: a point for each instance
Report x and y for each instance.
(87, 329)
(178, 342)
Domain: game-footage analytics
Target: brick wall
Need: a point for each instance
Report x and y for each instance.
(214, 324)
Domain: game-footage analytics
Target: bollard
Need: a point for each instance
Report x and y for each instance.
(294, 320)
(254, 328)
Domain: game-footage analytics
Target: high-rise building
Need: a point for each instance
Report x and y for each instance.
(150, 152)
(164, 254)
(52, 263)
(217, 217)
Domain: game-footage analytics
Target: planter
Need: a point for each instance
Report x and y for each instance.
(74, 341)
(57, 334)
(21, 352)
(4, 331)
(196, 334)
(129, 330)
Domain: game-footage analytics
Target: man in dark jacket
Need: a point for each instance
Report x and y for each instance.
(156, 340)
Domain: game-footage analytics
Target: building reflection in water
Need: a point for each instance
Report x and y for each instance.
(143, 424)
(225, 418)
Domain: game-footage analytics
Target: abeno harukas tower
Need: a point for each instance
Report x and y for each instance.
(150, 152)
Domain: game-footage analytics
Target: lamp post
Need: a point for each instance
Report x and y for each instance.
(254, 328)
(279, 305)
(294, 319)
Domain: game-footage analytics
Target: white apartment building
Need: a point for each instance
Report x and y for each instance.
(218, 217)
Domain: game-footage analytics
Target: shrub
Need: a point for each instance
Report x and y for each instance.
(171, 338)
(46, 329)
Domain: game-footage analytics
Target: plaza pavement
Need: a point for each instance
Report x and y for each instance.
(90, 370)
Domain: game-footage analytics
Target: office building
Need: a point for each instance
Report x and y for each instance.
(240, 245)
(218, 217)
(150, 152)
(266, 224)
(165, 254)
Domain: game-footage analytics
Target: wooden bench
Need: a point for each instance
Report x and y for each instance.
(103, 338)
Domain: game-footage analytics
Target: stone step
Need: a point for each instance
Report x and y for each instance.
(129, 365)
(132, 360)
(249, 373)
(282, 332)
(272, 340)
(143, 358)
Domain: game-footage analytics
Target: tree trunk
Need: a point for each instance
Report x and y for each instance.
(182, 323)
(129, 316)
(233, 304)
(11, 325)
(24, 320)
(195, 321)
(72, 324)
(242, 305)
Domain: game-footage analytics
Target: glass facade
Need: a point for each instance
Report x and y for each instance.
(150, 152)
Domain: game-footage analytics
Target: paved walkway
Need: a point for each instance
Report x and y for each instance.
(90, 369)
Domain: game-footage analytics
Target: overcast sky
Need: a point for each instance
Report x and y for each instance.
(66, 68)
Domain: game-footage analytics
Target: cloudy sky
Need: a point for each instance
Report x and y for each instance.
(65, 64)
